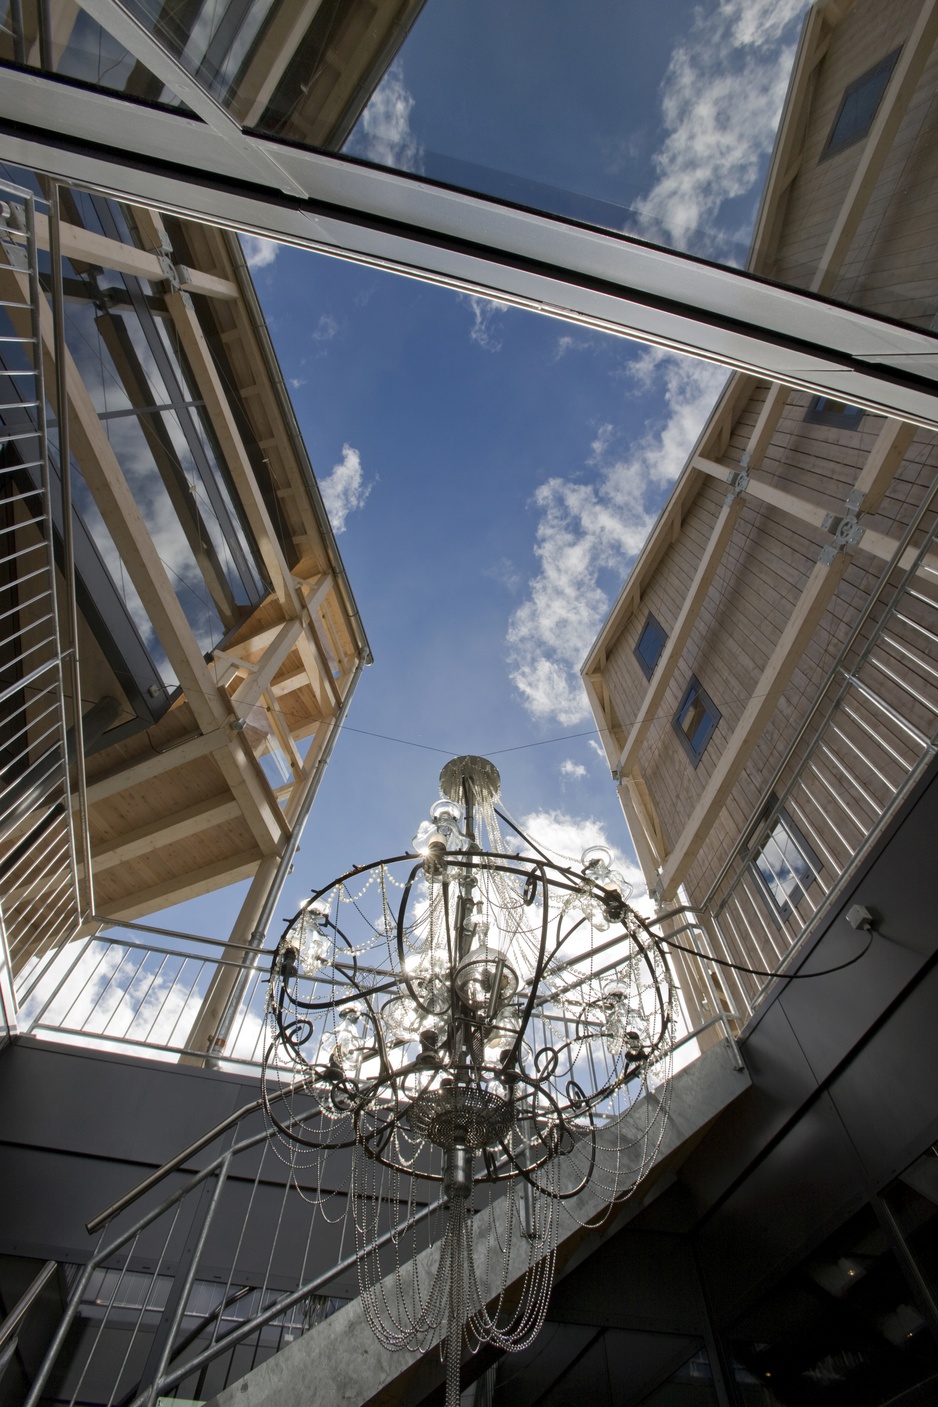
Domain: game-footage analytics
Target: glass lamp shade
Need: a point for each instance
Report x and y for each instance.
(485, 980)
(596, 858)
(623, 1026)
(401, 1018)
(501, 1036)
(350, 1045)
(428, 975)
(597, 863)
(315, 952)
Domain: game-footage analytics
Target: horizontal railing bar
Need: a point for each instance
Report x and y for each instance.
(25, 1300)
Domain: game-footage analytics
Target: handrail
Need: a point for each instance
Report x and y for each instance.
(26, 1300)
(122, 1203)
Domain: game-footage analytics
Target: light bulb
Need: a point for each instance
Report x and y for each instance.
(349, 1049)
(315, 951)
(501, 1036)
(485, 979)
(596, 858)
(623, 1027)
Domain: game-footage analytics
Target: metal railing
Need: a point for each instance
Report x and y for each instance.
(869, 736)
(142, 992)
(41, 898)
(192, 1292)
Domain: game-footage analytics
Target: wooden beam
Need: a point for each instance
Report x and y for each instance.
(771, 413)
(282, 731)
(153, 765)
(316, 591)
(670, 657)
(165, 831)
(288, 683)
(267, 65)
(813, 602)
(247, 694)
(88, 247)
(878, 544)
(218, 408)
(713, 440)
(903, 82)
(881, 465)
(219, 411)
(117, 505)
(644, 826)
(789, 140)
(185, 886)
(243, 773)
(319, 670)
(61, 19)
(211, 708)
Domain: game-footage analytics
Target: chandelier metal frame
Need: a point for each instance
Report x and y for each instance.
(491, 1024)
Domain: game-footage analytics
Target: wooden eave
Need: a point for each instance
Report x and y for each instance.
(819, 22)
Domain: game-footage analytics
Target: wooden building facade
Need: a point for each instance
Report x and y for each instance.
(767, 682)
(183, 580)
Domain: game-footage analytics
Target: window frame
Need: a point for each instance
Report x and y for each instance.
(850, 417)
(884, 66)
(694, 691)
(777, 817)
(207, 168)
(651, 623)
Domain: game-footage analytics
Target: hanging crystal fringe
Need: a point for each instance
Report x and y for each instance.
(500, 1033)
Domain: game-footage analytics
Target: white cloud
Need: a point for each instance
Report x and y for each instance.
(569, 768)
(325, 329)
(565, 837)
(721, 98)
(597, 748)
(588, 527)
(258, 252)
(297, 381)
(383, 133)
(344, 489)
(566, 344)
(485, 328)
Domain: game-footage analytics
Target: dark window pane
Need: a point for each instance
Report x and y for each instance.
(858, 106)
(650, 644)
(695, 720)
(785, 865)
(824, 411)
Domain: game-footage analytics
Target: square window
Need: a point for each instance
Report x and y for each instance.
(824, 411)
(650, 644)
(695, 720)
(858, 106)
(785, 865)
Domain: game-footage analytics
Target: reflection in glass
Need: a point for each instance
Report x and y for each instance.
(61, 38)
(843, 1329)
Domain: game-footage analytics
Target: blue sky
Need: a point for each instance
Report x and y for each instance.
(492, 473)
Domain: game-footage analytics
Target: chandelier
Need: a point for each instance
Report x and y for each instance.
(469, 1026)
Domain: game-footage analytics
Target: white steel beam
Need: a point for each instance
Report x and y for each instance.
(395, 220)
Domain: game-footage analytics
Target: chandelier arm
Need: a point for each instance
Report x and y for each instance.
(327, 1005)
(505, 864)
(401, 914)
(538, 974)
(287, 1130)
(664, 1010)
(564, 869)
(287, 1029)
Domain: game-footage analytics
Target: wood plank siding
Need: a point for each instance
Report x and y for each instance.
(815, 555)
